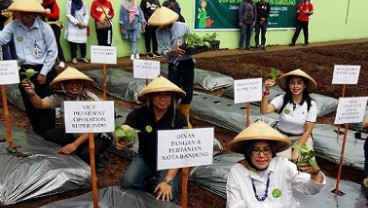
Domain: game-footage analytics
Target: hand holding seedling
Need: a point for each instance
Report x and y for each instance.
(307, 162)
(272, 80)
(28, 86)
(125, 136)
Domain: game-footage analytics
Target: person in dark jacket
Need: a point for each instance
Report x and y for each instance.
(158, 114)
(263, 11)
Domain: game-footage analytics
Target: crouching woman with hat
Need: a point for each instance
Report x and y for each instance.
(71, 85)
(159, 113)
(263, 179)
(297, 111)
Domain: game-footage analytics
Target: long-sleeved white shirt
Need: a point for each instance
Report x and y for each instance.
(283, 177)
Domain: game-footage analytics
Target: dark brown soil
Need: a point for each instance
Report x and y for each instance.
(318, 60)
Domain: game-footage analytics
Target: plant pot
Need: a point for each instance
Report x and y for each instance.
(215, 45)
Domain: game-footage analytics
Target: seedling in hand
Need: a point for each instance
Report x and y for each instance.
(272, 80)
(307, 155)
(29, 73)
(273, 74)
(129, 135)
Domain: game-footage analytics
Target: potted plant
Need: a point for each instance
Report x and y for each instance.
(211, 39)
(193, 44)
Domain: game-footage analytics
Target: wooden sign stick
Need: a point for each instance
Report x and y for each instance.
(93, 169)
(7, 117)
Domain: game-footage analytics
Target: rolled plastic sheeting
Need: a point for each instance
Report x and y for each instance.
(115, 197)
(40, 171)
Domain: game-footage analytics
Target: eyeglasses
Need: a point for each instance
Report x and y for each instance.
(265, 151)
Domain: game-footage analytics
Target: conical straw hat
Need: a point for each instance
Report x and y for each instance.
(259, 131)
(281, 81)
(160, 84)
(71, 73)
(162, 16)
(26, 6)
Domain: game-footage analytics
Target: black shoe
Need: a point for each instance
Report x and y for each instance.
(305, 44)
(263, 48)
(150, 55)
(247, 48)
(157, 54)
(292, 44)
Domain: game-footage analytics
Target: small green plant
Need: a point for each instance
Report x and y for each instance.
(128, 135)
(307, 155)
(273, 74)
(29, 73)
(209, 37)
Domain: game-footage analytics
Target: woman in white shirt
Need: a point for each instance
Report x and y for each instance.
(298, 112)
(264, 180)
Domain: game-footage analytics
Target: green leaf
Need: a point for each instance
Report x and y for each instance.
(273, 74)
(128, 135)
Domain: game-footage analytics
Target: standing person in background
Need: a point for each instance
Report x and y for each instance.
(181, 66)
(263, 11)
(102, 11)
(173, 5)
(132, 23)
(8, 50)
(51, 17)
(76, 32)
(148, 7)
(297, 110)
(36, 49)
(247, 21)
(305, 9)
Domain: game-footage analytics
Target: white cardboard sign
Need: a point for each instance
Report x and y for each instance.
(247, 90)
(103, 55)
(346, 74)
(350, 110)
(146, 69)
(9, 73)
(89, 116)
(184, 148)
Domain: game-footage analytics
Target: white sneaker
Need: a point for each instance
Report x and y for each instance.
(62, 64)
(132, 57)
(136, 56)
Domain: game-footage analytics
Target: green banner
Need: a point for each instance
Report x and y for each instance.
(223, 14)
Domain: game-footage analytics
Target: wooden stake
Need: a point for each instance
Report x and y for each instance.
(184, 187)
(93, 169)
(342, 95)
(104, 82)
(247, 120)
(341, 160)
(7, 117)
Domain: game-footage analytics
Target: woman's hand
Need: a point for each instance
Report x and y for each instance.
(269, 83)
(164, 191)
(68, 149)
(41, 78)
(28, 86)
(294, 156)
(122, 144)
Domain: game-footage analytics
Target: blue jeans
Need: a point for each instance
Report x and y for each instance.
(142, 176)
(245, 32)
(260, 29)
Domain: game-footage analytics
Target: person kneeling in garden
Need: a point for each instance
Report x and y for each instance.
(159, 113)
(71, 85)
(263, 179)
